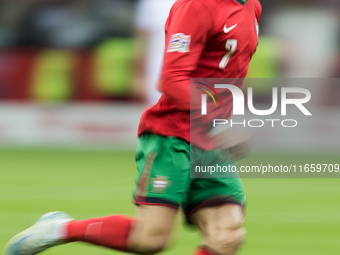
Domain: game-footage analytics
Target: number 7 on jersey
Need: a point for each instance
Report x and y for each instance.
(231, 47)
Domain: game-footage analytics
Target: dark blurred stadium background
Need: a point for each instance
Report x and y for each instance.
(75, 76)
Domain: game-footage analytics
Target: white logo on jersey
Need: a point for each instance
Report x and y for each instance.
(228, 29)
(180, 43)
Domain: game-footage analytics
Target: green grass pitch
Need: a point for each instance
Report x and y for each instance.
(284, 216)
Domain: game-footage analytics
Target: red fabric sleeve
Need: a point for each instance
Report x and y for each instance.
(258, 10)
(192, 22)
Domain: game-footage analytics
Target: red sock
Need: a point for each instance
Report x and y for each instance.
(204, 251)
(111, 232)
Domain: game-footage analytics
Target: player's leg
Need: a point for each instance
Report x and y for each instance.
(164, 179)
(221, 228)
(215, 204)
(153, 230)
(147, 234)
(163, 165)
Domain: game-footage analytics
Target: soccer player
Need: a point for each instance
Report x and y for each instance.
(204, 39)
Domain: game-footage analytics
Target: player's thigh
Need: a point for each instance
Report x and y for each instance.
(216, 206)
(213, 192)
(153, 229)
(221, 227)
(215, 203)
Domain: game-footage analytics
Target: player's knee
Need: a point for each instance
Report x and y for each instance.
(151, 247)
(232, 238)
(152, 232)
(153, 241)
(227, 240)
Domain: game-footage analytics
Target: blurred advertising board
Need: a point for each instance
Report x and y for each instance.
(72, 125)
(61, 75)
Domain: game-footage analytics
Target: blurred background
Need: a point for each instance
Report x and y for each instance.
(75, 76)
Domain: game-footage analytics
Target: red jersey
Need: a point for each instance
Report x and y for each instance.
(204, 39)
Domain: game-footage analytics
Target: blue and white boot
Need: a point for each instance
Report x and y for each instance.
(47, 232)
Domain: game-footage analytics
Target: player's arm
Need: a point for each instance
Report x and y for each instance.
(258, 10)
(188, 29)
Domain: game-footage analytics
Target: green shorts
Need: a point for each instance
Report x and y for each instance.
(164, 165)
